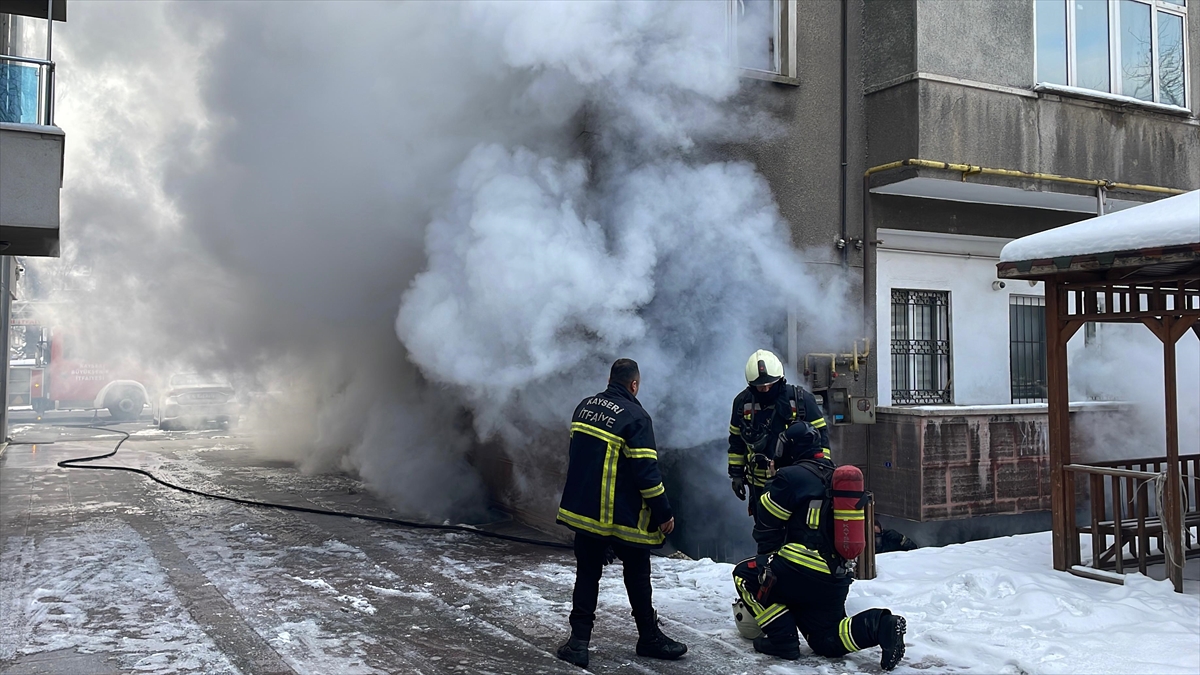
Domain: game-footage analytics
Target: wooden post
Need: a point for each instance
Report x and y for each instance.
(1062, 516)
(1172, 521)
(866, 559)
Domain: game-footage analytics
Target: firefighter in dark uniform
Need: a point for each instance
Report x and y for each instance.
(766, 408)
(798, 579)
(614, 500)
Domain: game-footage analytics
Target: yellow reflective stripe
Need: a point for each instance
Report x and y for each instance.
(734, 430)
(755, 480)
(608, 483)
(747, 596)
(597, 432)
(854, 514)
(770, 614)
(814, 517)
(795, 553)
(632, 535)
(737, 460)
(818, 423)
(847, 638)
(641, 453)
(651, 492)
(775, 509)
(827, 452)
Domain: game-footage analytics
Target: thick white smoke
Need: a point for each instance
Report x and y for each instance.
(538, 187)
(1125, 363)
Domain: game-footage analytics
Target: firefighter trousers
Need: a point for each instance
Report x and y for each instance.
(814, 603)
(590, 553)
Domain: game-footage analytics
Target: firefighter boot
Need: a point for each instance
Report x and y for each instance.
(653, 643)
(575, 651)
(891, 640)
(789, 651)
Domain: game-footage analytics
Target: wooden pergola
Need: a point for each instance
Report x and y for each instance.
(1155, 285)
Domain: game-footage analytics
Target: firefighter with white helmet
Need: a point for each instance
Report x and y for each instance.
(767, 407)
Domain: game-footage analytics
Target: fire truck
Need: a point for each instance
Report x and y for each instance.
(49, 370)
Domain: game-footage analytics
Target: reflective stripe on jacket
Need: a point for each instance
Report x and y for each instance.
(614, 488)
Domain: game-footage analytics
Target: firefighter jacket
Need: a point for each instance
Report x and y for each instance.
(755, 425)
(794, 519)
(613, 487)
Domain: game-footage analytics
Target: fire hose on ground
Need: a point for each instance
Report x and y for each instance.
(84, 463)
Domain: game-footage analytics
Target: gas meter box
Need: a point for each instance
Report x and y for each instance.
(862, 409)
(837, 406)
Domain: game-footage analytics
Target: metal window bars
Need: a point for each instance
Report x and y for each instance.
(920, 347)
(1027, 348)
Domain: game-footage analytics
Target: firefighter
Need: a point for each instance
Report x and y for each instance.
(767, 407)
(888, 541)
(614, 500)
(798, 579)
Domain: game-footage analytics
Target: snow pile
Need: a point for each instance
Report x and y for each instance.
(1168, 222)
(994, 606)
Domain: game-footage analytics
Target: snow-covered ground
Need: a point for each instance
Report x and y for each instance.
(992, 606)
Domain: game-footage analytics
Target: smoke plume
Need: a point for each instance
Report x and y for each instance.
(425, 226)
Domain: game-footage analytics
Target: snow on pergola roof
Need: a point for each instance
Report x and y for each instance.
(1168, 222)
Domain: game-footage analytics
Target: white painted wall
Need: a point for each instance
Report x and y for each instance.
(966, 267)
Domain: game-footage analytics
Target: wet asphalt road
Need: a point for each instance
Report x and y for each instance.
(106, 572)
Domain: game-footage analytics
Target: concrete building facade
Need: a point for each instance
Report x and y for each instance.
(967, 124)
(31, 152)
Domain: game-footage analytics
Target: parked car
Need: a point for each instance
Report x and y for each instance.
(192, 400)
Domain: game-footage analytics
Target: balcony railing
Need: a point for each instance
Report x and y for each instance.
(26, 90)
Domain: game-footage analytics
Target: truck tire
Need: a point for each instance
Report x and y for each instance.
(126, 405)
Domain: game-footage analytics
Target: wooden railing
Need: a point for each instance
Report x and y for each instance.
(1124, 512)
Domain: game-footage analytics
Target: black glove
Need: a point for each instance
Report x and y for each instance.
(766, 579)
(739, 488)
(610, 556)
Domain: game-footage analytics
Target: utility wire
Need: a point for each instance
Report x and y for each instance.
(79, 463)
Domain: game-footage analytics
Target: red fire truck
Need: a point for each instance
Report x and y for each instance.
(49, 371)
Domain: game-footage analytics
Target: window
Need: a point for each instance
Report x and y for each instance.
(1135, 48)
(920, 347)
(759, 32)
(1027, 348)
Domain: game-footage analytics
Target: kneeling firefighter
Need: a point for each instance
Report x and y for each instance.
(764, 409)
(810, 530)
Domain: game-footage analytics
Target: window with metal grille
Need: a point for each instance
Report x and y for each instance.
(920, 347)
(1027, 348)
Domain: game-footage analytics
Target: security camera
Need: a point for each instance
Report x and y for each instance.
(998, 285)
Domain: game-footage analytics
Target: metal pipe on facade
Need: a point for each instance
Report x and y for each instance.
(49, 121)
(844, 87)
(970, 169)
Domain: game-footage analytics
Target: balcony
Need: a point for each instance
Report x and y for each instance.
(31, 158)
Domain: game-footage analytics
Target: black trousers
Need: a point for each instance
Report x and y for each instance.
(812, 602)
(589, 565)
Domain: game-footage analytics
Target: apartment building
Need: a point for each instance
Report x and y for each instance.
(31, 151)
(924, 135)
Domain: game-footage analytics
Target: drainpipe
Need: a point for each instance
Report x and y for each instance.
(5, 307)
(845, 40)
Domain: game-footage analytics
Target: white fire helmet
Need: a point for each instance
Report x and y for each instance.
(763, 368)
(744, 619)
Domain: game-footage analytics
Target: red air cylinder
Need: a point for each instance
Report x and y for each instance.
(849, 528)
